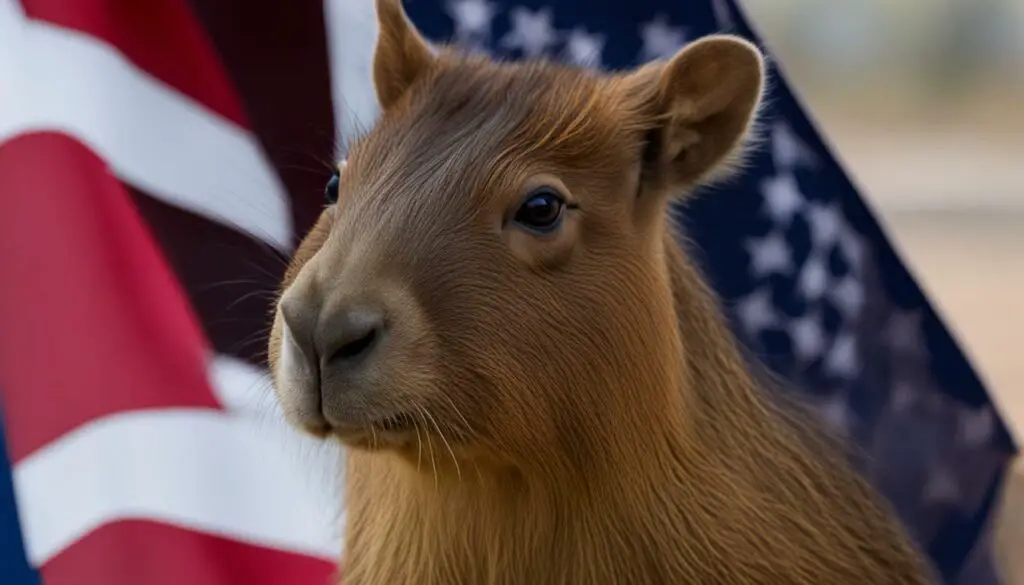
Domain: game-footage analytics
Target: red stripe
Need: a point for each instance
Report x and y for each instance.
(92, 321)
(139, 552)
(162, 37)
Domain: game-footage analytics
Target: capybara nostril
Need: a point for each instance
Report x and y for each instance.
(350, 337)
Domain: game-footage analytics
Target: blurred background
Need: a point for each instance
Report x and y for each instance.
(923, 101)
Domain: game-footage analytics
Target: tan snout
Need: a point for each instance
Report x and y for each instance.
(342, 353)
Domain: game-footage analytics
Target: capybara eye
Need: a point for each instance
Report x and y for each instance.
(542, 211)
(331, 190)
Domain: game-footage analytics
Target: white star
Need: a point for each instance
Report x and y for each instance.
(770, 255)
(904, 331)
(472, 19)
(531, 32)
(825, 222)
(660, 40)
(975, 427)
(841, 359)
(848, 296)
(852, 246)
(783, 197)
(788, 151)
(941, 486)
(756, 311)
(808, 338)
(836, 413)
(723, 16)
(583, 48)
(903, 396)
(813, 279)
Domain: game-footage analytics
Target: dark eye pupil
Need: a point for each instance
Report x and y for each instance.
(540, 211)
(331, 191)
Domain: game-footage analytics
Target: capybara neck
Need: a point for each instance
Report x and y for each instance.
(720, 488)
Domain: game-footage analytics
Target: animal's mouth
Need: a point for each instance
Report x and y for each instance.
(396, 423)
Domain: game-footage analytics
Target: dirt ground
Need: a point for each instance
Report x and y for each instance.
(1010, 531)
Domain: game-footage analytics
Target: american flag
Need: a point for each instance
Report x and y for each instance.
(159, 159)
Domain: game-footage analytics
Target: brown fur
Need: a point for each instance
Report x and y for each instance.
(584, 415)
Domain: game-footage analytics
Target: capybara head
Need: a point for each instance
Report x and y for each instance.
(490, 270)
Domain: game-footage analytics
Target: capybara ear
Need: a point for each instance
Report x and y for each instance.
(401, 54)
(704, 101)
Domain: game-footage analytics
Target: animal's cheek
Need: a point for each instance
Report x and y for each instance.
(546, 251)
(522, 419)
(508, 383)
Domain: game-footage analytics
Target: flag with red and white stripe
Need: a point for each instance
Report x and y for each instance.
(156, 159)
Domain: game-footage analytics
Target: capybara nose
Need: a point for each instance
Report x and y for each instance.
(347, 338)
(338, 339)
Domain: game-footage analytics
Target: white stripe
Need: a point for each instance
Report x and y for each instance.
(242, 388)
(200, 470)
(351, 38)
(249, 478)
(153, 137)
(11, 59)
